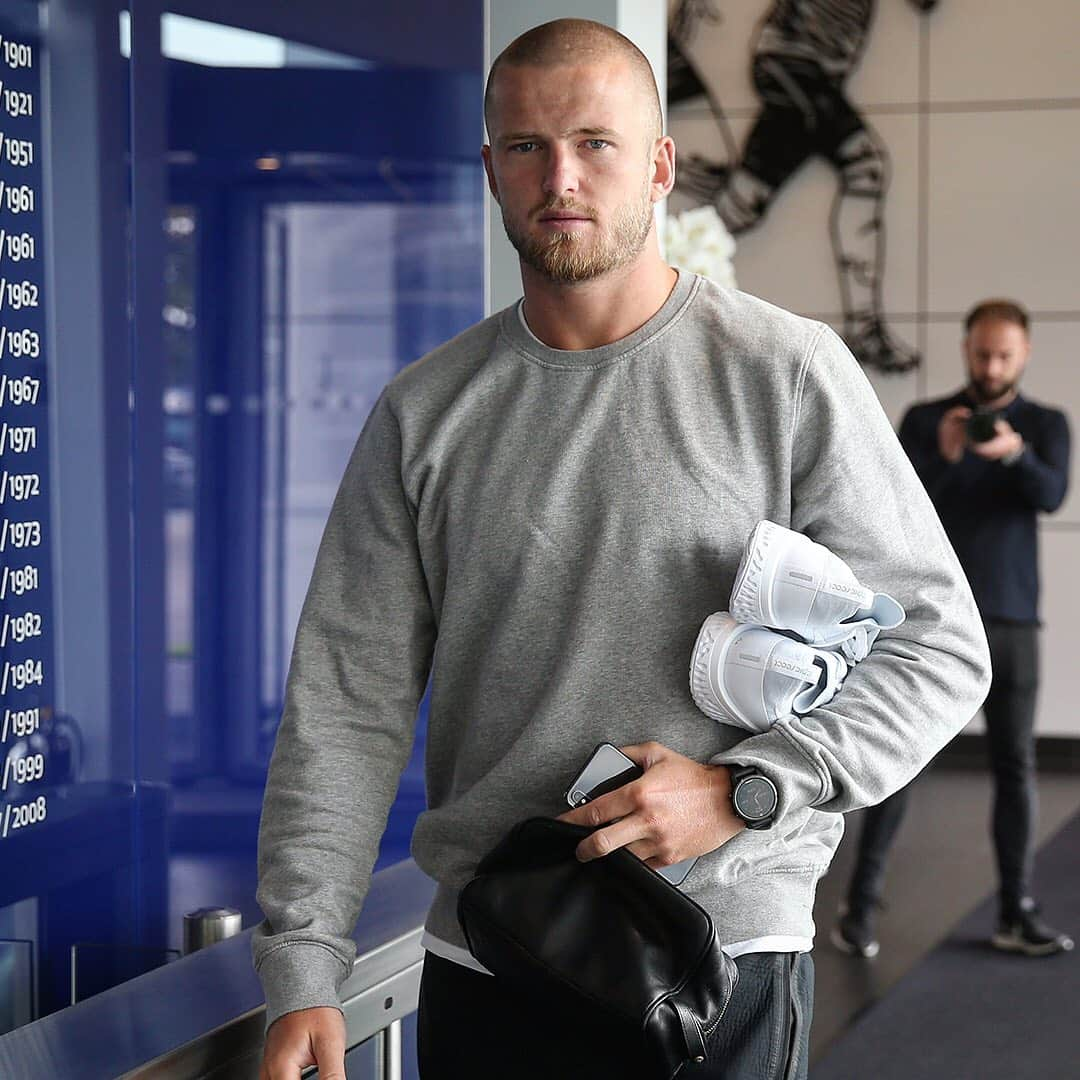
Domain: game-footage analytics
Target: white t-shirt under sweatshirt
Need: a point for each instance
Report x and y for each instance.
(545, 531)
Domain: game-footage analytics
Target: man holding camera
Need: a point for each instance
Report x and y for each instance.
(991, 460)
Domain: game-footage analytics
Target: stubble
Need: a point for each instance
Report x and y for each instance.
(568, 258)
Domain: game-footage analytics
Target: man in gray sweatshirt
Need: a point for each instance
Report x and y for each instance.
(540, 514)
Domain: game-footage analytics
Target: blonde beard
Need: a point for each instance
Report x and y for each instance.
(565, 257)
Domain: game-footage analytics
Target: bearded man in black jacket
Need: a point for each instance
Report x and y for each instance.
(991, 460)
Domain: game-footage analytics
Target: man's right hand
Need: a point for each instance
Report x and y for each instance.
(952, 433)
(302, 1038)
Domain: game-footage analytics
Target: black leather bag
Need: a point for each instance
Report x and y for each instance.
(611, 931)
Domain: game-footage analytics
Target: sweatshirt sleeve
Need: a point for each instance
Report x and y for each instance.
(1042, 470)
(854, 490)
(358, 671)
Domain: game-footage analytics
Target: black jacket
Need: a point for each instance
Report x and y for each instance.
(988, 509)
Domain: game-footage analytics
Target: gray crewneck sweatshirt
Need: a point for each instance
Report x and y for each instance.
(545, 531)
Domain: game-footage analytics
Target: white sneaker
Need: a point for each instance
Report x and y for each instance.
(751, 677)
(789, 582)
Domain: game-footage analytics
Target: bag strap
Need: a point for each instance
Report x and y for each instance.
(691, 1029)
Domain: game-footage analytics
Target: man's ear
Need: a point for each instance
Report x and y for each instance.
(663, 168)
(493, 187)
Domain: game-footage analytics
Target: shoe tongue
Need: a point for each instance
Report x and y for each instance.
(883, 610)
(856, 635)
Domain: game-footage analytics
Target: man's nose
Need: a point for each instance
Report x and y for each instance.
(561, 174)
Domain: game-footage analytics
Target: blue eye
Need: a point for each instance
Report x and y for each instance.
(520, 148)
(597, 144)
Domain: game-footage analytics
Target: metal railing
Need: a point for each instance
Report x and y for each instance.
(203, 1016)
(384, 988)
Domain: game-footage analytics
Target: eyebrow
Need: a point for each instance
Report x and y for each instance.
(591, 132)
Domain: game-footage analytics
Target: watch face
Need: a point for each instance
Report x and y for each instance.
(755, 798)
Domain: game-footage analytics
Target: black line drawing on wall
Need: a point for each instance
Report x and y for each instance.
(803, 53)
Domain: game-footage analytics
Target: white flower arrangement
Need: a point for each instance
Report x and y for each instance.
(697, 240)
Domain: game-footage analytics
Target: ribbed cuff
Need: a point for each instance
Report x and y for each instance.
(300, 975)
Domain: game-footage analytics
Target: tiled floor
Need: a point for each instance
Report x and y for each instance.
(941, 867)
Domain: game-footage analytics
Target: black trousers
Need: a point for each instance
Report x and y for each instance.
(477, 1026)
(1010, 720)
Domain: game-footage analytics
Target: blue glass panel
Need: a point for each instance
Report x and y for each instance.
(323, 228)
(176, 407)
(298, 283)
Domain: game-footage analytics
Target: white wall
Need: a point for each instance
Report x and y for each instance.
(979, 104)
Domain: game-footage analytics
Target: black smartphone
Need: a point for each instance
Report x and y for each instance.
(609, 768)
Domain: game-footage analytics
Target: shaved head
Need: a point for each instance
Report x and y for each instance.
(567, 42)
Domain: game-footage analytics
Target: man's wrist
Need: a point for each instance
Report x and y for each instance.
(1013, 456)
(728, 823)
(722, 797)
(755, 798)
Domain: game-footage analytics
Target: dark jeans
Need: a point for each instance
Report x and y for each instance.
(1010, 719)
(480, 1027)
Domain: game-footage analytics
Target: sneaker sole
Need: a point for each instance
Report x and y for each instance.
(701, 682)
(749, 601)
(1007, 943)
(867, 952)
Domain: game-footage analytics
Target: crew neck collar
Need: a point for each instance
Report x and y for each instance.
(514, 328)
(969, 399)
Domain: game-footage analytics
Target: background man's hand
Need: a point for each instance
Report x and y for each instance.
(677, 810)
(302, 1038)
(952, 433)
(1007, 441)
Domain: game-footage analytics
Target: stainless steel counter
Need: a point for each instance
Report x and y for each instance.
(204, 1015)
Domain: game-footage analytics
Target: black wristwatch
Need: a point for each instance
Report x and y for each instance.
(753, 796)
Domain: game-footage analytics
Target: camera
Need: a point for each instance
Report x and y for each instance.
(981, 425)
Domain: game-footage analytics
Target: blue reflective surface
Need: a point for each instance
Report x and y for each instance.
(237, 241)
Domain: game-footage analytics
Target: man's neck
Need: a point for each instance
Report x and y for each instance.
(594, 313)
